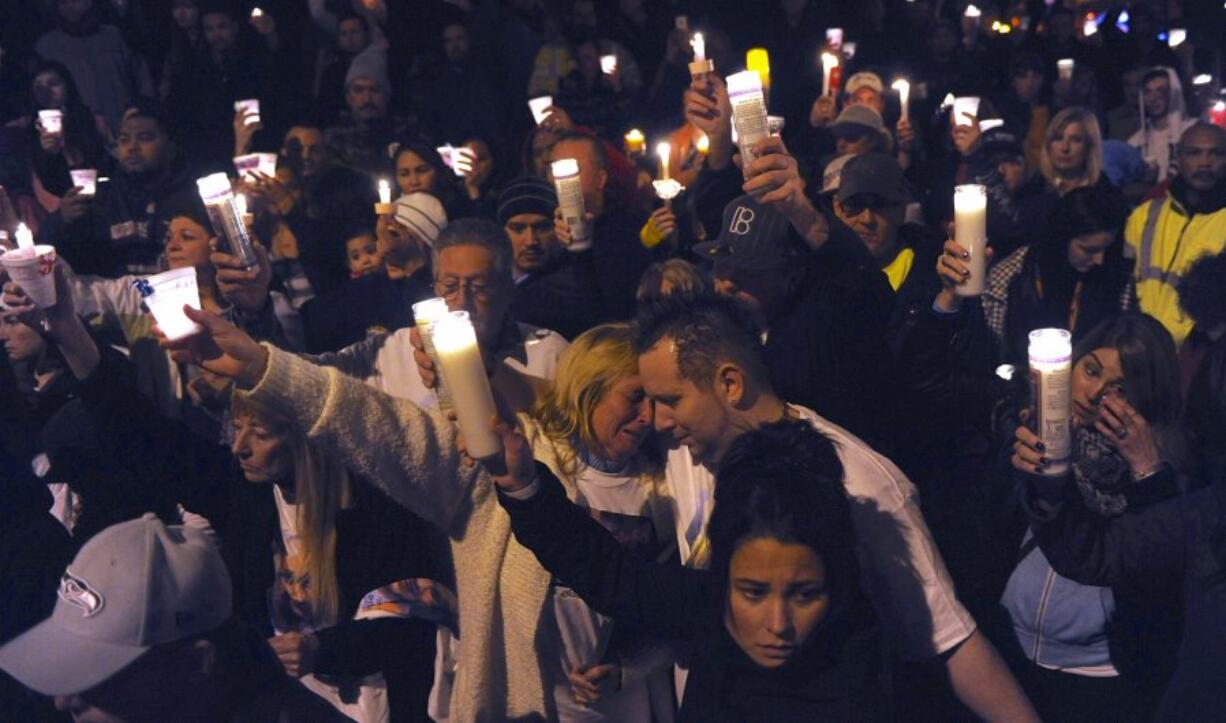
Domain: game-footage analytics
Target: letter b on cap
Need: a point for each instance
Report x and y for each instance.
(742, 219)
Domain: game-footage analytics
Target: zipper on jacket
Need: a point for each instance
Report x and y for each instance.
(1038, 627)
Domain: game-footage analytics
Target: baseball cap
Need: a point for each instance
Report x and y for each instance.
(857, 120)
(753, 237)
(132, 586)
(1000, 141)
(832, 174)
(875, 173)
(422, 214)
(864, 79)
(526, 194)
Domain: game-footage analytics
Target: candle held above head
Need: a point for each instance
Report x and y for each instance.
(636, 142)
(749, 119)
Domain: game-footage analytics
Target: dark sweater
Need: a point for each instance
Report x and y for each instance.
(564, 297)
(1185, 535)
(833, 678)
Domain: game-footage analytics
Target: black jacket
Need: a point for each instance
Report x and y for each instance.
(1185, 536)
(564, 297)
(834, 678)
(126, 225)
(377, 542)
(343, 316)
(826, 349)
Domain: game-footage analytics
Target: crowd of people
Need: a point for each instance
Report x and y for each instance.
(773, 446)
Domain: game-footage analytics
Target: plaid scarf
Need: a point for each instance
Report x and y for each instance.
(1100, 471)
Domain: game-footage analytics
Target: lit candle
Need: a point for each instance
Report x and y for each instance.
(636, 143)
(749, 123)
(970, 232)
(700, 47)
(608, 64)
(1051, 363)
(25, 238)
(834, 38)
(1177, 37)
(703, 144)
(1202, 79)
(425, 313)
(459, 357)
(757, 60)
(570, 199)
(257, 13)
(385, 191)
(31, 267)
(972, 12)
(904, 91)
(1064, 68)
(830, 61)
(663, 150)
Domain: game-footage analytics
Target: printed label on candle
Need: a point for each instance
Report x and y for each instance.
(748, 112)
(1050, 356)
(570, 200)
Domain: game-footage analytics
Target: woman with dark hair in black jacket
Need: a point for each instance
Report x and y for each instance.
(82, 141)
(780, 627)
(1072, 279)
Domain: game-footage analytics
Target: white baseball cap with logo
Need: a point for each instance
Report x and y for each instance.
(132, 586)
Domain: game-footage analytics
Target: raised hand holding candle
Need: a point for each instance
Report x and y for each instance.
(970, 231)
(904, 92)
(1050, 353)
(30, 266)
(459, 357)
(664, 150)
(830, 61)
(226, 218)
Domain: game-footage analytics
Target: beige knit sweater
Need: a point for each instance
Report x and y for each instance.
(411, 455)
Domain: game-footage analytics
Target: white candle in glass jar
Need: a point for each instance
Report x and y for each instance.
(459, 356)
(425, 313)
(1051, 365)
(970, 231)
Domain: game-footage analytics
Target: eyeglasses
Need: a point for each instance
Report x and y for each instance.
(479, 289)
(856, 204)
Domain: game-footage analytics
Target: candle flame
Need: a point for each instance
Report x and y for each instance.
(25, 239)
(703, 144)
(972, 11)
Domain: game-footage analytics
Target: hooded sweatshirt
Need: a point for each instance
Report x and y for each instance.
(1157, 145)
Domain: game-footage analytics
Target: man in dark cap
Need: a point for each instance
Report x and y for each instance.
(555, 288)
(823, 313)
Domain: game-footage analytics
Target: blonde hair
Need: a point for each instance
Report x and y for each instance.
(599, 358)
(321, 488)
(1094, 150)
(680, 276)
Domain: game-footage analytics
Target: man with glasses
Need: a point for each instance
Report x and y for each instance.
(472, 262)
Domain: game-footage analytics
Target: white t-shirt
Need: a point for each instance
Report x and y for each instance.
(396, 371)
(902, 571)
(619, 502)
